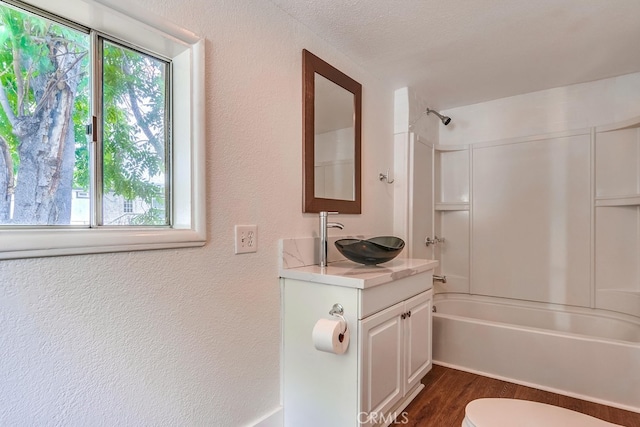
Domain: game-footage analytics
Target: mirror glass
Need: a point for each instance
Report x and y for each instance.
(331, 146)
(334, 147)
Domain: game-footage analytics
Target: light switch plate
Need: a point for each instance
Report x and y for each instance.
(246, 239)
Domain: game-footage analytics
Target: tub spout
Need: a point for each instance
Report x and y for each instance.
(441, 279)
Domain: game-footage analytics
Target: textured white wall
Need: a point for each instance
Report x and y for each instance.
(572, 107)
(409, 108)
(191, 337)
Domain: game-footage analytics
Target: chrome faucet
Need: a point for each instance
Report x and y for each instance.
(324, 226)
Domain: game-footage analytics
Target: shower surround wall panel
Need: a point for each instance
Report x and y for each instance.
(421, 208)
(532, 220)
(617, 218)
(452, 196)
(454, 253)
(452, 178)
(552, 218)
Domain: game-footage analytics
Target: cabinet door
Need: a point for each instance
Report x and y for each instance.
(382, 359)
(417, 339)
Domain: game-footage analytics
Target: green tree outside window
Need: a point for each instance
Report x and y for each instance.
(45, 107)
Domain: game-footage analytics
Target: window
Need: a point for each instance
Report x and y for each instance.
(86, 107)
(46, 87)
(134, 138)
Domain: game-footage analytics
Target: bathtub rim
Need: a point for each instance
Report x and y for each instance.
(566, 309)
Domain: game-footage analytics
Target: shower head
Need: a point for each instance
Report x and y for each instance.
(445, 120)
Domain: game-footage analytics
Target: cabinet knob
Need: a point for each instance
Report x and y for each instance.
(403, 316)
(409, 313)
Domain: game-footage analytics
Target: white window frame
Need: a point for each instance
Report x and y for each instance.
(119, 19)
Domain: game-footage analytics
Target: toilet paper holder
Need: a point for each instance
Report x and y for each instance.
(338, 311)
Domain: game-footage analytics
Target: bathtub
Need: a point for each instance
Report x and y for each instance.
(588, 354)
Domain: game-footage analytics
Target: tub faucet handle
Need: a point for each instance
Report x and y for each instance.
(429, 241)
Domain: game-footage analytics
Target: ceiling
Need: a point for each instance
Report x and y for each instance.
(460, 52)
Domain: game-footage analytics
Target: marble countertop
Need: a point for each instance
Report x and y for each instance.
(353, 275)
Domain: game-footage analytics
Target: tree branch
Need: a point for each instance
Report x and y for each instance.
(7, 182)
(138, 115)
(6, 154)
(19, 78)
(6, 106)
(53, 83)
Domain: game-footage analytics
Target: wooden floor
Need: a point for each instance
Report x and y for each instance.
(447, 392)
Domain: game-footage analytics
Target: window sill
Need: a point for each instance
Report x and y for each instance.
(27, 243)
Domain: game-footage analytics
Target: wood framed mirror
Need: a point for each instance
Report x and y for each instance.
(331, 146)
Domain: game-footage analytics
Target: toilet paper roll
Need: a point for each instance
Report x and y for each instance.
(329, 335)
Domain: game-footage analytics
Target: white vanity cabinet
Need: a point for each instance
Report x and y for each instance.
(396, 353)
(388, 311)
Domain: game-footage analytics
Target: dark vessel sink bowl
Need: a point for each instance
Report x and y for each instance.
(371, 251)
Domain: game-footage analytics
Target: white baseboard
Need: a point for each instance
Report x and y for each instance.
(273, 419)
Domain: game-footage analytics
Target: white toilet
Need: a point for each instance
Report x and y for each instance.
(524, 413)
